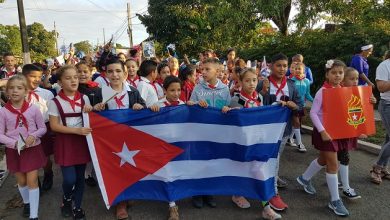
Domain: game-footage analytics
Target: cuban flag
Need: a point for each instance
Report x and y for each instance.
(184, 151)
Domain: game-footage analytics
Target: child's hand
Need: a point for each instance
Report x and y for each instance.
(30, 141)
(87, 108)
(99, 107)
(265, 85)
(291, 105)
(137, 107)
(155, 108)
(84, 131)
(190, 103)
(325, 136)
(363, 136)
(372, 99)
(225, 109)
(203, 104)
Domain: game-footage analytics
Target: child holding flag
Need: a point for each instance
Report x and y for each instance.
(323, 142)
(249, 98)
(21, 126)
(209, 92)
(278, 89)
(70, 147)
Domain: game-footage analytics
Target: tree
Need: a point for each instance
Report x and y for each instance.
(10, 39)
(41, 42)
(84, 46)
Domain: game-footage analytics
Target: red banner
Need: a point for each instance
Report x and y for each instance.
(347, 112)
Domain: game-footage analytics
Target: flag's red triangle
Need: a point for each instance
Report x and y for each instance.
(109, 138)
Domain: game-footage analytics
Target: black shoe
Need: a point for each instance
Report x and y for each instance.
(47, 181)
(26, 210)
(197, 202)
(90, 181)
(210, 201)
(78, 214)
(66, 208)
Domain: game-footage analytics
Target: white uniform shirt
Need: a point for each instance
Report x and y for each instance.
(73, 122)
(125, 100)
(44, 97)
(273, 89)
(383, 73)
(147, 91)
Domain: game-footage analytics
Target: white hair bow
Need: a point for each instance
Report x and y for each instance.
(329, 64)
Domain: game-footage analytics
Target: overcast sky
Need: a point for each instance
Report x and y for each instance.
(78, 20)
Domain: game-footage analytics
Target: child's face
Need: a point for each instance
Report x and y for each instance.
(34, 79)
(209, 72)
(249, 82)
(173, 64)
(335, 75)
(279, 68)
(351, 79)
(115, 74)
(231, 55)
(132, 68)
(84, 74)
(173, 92)
(165, 72)
(16, 91)
(69, 80)
(298, 70)
(192, 77)
(292, 68)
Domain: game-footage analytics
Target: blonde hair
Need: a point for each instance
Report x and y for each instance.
(349, 70)
(17, 77)
(61, 71)
(245, 71)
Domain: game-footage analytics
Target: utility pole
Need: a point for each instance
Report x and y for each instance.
(23, 33)
(130, 28)
(56, 36)
(104, 37)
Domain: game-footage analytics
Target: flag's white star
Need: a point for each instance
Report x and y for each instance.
(126, 155)
(354, 117)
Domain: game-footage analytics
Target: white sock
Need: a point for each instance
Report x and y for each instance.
(34, 202)
(312, 170)
(298, 137)
(344, 176)
(333, 181)
(172, 204)
(24, 193)
(291, 135)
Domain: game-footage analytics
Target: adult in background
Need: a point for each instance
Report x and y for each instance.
(379, 170)
(359, 62)
(298, 58)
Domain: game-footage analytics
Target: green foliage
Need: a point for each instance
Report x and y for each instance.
(41, 42)
(84, 46)
(10, 39)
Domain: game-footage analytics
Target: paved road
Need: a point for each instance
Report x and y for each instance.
(374, 204)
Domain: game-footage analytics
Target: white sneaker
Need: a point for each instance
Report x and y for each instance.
(301, 148)
(269, 213)
(291, 142)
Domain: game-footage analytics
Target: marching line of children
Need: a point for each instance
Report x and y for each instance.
(153, 85)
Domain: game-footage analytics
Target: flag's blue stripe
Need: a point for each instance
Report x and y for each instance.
(179, 189)
(196, 114)
(205, 150)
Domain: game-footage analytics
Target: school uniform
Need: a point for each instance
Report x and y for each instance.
(126, 98)
(164, 103)
(316, 116)
(243, 100)
(40, 97)
(160, 90)
(186, 91)
(148, 91)
(92, 91)
(25, 121)
(133, 82)
(102, 80)
(70, 149)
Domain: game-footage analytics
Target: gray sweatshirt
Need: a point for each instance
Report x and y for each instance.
(218, 97)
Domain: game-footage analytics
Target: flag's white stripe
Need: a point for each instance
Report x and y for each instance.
(199, 169)
(95, 162)
(245, 135)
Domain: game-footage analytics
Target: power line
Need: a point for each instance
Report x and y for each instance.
(61, 10)
(103, 9)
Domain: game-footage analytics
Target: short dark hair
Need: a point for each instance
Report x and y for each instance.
(84, 63)
(8, 54)
(186, 71)
(28, 68)
(278, 57)
(147, 66)
(115, 60)
(161, 66)
(169, 80)
(231, 50)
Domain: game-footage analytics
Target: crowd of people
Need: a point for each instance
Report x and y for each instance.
(42, 107)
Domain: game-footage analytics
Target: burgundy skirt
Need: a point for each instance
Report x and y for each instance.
(31, 158)
(300, 113)
(47, 141)
(334, 145)
(71, 149)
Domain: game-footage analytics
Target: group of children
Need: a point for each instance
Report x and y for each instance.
(156, 85)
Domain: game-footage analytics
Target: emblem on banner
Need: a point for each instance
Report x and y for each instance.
(355, 112)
